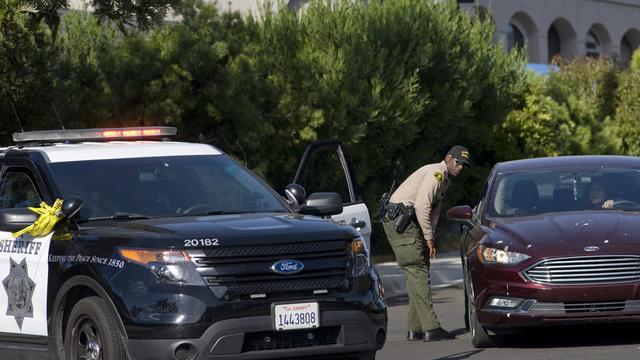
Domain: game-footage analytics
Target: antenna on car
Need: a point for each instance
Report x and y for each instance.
(57, 116)
(16, 114)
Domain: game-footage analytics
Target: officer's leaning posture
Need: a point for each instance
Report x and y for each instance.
(410, 221)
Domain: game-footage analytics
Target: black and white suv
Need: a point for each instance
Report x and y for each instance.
(175, 251)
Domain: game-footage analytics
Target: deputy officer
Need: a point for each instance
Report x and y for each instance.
(423, 191)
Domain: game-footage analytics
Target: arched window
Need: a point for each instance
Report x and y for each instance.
(626, 50)
(592, 45)
(553, 43)
(515, 39)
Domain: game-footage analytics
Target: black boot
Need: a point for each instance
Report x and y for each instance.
(415, 335)
(437, 334)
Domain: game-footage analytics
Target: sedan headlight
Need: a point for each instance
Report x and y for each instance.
(496, 256)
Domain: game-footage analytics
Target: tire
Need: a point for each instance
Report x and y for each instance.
(371, 355)
(466, 310)
(466, 303)
(479, 336)
(92, 332)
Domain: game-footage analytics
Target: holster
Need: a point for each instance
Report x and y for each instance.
(405, 215)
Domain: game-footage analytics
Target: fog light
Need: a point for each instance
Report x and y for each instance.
(504, 302)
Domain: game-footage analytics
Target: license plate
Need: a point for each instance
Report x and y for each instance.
(296, 316)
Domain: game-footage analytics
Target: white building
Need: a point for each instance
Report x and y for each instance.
(565, 27)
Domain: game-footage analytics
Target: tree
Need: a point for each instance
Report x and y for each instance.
(25, 58)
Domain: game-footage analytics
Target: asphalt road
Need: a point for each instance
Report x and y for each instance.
(585, 342)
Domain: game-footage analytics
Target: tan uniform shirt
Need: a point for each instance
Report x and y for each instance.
(424, 190)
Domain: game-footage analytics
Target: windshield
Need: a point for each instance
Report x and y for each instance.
(545, 191)
(164, 186)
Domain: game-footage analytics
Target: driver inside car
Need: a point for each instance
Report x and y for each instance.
(597, 195)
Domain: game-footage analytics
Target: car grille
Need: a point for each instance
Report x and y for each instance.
(244, 273)
(269, 340)
(585, 270)
(599, 306)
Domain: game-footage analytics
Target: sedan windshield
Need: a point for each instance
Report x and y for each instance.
(544, 191)
(163, 186)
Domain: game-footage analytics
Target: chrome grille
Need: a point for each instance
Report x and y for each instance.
(585, 270)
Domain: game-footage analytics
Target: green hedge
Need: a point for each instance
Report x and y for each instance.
(399, 81)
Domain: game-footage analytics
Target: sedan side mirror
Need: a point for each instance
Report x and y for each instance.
(322, 204)
(16, 219)
(460, 213)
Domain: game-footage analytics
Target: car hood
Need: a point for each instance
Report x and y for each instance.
(567, 233)
(229, 230)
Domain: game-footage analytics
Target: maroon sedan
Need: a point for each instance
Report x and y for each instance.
(552, 241)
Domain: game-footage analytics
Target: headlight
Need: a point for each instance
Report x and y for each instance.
(359, 257)
(168, 265)
(496, 256)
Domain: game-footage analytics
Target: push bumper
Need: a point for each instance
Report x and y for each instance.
(341, 332)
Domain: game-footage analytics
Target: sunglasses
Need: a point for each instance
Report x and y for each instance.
(460, 163)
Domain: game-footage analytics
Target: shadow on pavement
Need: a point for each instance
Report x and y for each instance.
(460, 356)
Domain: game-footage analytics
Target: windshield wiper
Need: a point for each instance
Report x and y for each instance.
(230, 212)
(224, 212)
(117, 216)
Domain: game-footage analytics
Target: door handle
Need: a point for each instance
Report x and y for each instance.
(358, 223)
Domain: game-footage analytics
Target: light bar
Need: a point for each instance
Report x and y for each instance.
(129, 133)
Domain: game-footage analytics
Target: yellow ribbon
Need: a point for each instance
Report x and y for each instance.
(49, 217)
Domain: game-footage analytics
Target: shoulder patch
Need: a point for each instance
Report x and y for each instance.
(439, 176)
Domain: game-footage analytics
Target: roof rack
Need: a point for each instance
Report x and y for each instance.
(106, 134)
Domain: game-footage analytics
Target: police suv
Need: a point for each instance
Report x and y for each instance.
(173, 250)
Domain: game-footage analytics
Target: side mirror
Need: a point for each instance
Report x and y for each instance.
(460, 213)
(295, 195)
(322, 204)
(13, 220)
(71, 206)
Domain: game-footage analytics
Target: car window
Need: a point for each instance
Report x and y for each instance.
(167, 186)
(324, 173)
(17, 190)
(537, 192)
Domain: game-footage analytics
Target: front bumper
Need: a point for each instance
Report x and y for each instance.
(541, 305)
(341, 332)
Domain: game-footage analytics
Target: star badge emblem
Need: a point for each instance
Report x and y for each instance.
(19, 288)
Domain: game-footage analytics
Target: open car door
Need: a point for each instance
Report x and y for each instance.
(326, 167)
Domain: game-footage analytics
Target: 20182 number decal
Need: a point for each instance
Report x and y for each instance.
(201, 242)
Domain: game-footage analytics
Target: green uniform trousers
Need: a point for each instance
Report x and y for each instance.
(411, 255)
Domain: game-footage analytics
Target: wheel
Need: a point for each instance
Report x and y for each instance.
(626, 205)
(92, 333)
(479, 336)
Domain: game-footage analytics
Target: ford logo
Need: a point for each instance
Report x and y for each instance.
(287, 267)
(591, 248)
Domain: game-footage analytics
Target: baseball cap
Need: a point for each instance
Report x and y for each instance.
(461, 154)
